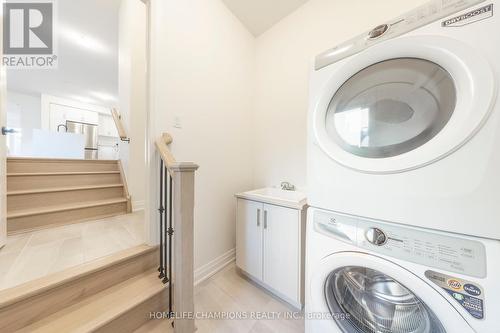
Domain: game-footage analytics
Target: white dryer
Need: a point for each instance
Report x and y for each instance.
(404, 122)
(368, 276)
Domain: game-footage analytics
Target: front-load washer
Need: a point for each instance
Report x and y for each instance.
(404, 122)
(367, 276)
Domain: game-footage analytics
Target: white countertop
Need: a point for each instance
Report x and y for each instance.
(291, 199)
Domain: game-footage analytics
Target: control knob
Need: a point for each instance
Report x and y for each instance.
(376, 236)
(378, 31)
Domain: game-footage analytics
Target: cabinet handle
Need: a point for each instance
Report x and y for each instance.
(258, 217)
(265, 219)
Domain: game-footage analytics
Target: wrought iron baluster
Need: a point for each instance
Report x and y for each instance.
(170, 236)
(161, 269)
(166, 278)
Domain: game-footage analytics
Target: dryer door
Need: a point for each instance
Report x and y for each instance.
(360, 293)
(403, 104)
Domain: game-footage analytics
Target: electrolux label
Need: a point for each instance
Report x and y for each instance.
(470, 17)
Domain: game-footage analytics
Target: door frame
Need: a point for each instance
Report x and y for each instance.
(152, 132)
(3, 156)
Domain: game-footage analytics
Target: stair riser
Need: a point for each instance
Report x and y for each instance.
(28, 223)
(138, 316)
(34, 166)
(43, 304)
(23, 183)
(41, 200)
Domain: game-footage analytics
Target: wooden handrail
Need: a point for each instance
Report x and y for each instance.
(165, 154)
(119, 125)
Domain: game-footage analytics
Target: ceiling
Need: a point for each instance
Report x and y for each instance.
(87, 37)
(260, 15)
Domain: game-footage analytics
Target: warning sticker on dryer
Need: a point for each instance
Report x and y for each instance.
(468, 294)
(470, 17)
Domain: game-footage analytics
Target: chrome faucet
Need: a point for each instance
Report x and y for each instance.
(286, 186)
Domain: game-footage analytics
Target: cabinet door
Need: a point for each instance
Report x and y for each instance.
(249, 237)
(282, 250)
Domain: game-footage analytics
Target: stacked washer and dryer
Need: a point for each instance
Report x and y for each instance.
(404, 176)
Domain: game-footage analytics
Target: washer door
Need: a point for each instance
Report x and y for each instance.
(403, 104)
(360, 293)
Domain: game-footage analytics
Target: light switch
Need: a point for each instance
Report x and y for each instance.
(177, 122)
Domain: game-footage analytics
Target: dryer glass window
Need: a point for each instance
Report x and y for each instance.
(363, 300)
(391, 107)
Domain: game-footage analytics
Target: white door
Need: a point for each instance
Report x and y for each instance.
(406, 103)
(282, 251)
(249, 237)
(365, 294)
(3, 146)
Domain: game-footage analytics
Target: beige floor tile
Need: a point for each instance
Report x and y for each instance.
(32, 263)
(70, 254)
(6, 262)
(15, 244)
(54, 235)
(250, 296)
(229, 292)
(32, 255)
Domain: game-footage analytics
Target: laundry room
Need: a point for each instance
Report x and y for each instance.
(342, 172)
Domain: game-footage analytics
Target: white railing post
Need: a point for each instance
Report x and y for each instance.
(183, 270)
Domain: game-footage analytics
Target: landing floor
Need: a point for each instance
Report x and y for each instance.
(33, 255)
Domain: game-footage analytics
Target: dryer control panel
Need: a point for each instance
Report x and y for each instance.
(419, 17)
(429, 248)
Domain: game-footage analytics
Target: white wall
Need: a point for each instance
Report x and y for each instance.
(203, 61)
(24, 113)
(284, 58)
(240, 102)
(132, 93)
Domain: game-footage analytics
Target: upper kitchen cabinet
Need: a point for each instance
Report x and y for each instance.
(56, 111)
(107, 126)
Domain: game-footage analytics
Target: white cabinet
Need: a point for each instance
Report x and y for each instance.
(282, 250)
(59, 114)
(249, 238)
(269, 247)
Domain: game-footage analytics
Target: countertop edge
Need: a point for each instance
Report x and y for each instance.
(301, 205)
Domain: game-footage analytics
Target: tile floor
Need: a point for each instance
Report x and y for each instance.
(228, 292)
(33, 255)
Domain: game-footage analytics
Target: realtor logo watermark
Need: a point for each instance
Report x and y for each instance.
(29, 34)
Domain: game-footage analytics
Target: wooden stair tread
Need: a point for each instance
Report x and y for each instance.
(102, 308)
(156, 326)
(61, 208)
(56, 160)
(28, 174)
(64, 189)
(33, 288)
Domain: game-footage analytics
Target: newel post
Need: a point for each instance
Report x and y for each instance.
(183, 217)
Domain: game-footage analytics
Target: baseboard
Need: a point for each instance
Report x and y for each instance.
(213, 267)
(138, 205)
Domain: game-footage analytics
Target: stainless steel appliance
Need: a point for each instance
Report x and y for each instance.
(91, 137)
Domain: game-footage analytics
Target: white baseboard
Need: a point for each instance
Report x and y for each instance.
(138, 205)
(213, 267)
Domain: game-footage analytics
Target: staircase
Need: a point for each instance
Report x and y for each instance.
(43, 193)
(112, 294)
(118, 293)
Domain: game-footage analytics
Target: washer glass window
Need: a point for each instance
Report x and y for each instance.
(362, 300)
(391, 108)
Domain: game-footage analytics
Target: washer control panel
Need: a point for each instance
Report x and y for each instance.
(419, 17)
(430, 248)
